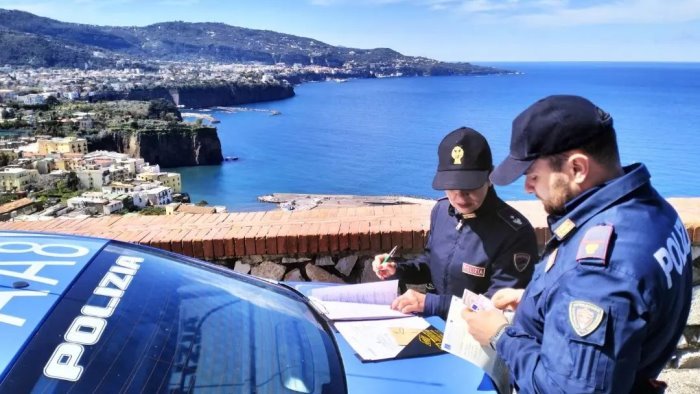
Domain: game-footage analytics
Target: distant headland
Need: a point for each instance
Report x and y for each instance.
(31, 40)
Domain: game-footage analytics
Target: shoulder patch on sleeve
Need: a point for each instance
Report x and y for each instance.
(514, 219)
(584, 317)
(593, 248)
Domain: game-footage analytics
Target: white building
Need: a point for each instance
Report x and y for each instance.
(155, 168)
(32, 99)
(168, 179)
(112, 206)
(17, 179)
(93, 179)
(86, 201)
(160, 195)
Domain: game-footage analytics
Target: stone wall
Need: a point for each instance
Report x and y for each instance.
(341, 268)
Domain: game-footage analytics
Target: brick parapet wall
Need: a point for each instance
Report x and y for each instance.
(318, 231)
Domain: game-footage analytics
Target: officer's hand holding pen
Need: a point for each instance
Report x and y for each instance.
(383, 266)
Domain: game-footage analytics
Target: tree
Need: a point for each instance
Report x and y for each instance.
(163, 110)
(5, 159)
(51, 102)
(72, 181)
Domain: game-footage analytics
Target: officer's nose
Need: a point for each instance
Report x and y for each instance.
(529, 186)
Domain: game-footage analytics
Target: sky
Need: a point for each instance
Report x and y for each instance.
(448, 30)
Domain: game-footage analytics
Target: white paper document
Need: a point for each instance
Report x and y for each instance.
(373, 340)
(335, 310)
(365, 301)
(382, 292)
(459, 342)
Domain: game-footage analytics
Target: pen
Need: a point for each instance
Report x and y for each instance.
(390, 255)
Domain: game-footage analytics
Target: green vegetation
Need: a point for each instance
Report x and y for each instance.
(62, 190)
(152, 211)
(5, 159)
(5, 198)
(123, 116)
(163, 110)
(61, 194)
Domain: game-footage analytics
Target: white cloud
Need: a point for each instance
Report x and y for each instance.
(553, 12)
(620, 12)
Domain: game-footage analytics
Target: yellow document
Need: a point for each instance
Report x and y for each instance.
(403, 335)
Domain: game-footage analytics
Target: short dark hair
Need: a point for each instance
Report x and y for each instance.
(602, 148)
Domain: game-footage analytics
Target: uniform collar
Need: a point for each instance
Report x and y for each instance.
(489, 205)
(593, 201)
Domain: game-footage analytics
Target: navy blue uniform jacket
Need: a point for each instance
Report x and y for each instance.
(496, 247)
(608, 302)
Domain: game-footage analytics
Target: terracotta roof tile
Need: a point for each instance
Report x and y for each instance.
(15, 205)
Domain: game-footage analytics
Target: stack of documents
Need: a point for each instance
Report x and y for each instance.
(362, 314)
(366, 301)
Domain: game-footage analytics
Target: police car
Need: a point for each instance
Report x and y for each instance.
(85, 315)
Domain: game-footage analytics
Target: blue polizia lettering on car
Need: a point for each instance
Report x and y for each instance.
(87, 315)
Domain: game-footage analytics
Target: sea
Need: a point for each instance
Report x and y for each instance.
(380, 136)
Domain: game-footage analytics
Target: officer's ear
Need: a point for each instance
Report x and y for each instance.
(580, 166)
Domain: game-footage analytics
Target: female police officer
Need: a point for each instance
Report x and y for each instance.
(476, 241)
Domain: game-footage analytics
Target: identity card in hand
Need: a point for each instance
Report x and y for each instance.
(476, 302)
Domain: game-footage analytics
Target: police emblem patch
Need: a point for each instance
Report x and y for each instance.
(457, 154)
(584, 317)
(520, 261)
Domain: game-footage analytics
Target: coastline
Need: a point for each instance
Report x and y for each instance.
(305, 202)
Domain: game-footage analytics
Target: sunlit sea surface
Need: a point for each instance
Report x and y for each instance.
(380, 136)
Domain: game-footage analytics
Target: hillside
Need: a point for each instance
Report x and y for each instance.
(40, 41)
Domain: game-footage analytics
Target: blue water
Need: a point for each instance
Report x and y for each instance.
(380, 136)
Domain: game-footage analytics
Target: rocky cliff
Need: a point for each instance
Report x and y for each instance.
(203, 96)
(168, 148)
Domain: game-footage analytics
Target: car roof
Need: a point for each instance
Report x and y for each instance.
(36, 269)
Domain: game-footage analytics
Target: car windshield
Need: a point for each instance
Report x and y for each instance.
(137, 320)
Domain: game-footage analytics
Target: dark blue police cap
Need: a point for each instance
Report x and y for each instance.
(464, 161)
(552, 125)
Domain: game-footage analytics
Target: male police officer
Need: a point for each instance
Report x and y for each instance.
(607, 305)
(476, 240)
